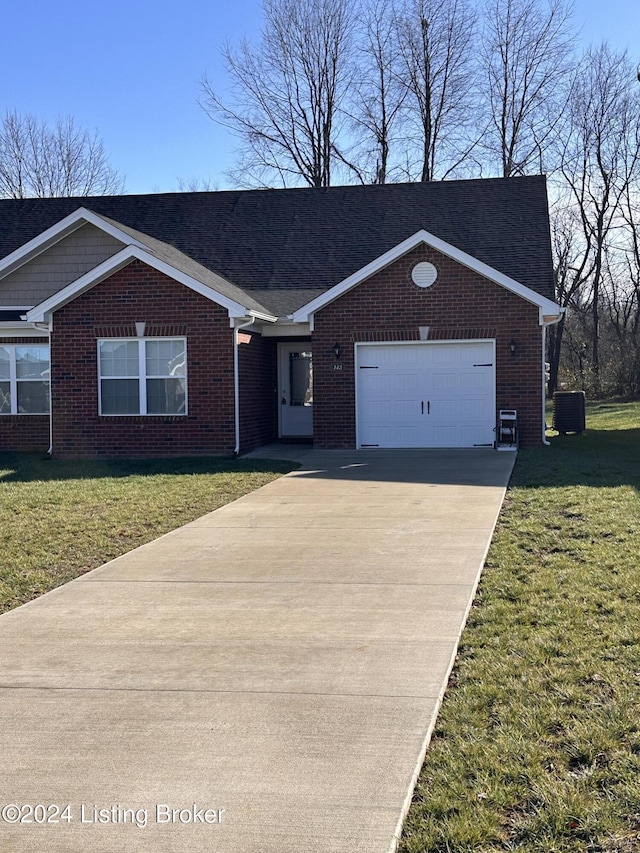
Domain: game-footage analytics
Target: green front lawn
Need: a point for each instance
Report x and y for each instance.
(59, 519)
(537, 746)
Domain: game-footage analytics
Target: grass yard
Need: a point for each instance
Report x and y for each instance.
(537, 747)
(59, 519)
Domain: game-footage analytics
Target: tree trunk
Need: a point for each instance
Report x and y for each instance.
(554, 349)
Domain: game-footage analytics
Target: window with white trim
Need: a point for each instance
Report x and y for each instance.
(24, 380)
(142, 376)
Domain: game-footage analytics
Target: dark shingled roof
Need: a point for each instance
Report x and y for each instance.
(179, 261)
(296, 243)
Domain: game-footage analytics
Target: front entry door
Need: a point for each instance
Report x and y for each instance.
(295, 389)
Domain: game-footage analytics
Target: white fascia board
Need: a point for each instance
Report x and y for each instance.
(236, 320)
(259, 315)
(117, 262)
(14, 329)
(58, 232)
(305, 313)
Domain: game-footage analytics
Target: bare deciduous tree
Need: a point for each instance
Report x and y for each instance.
(436, 41)
(40, 161)
(287, 92)
(601, 161)
(377, 94)
(572, 267)
(197, 185)
(526, 56)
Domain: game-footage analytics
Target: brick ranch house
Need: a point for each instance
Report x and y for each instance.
(404, 315)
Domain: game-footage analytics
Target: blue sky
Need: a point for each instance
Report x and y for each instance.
(131, 70)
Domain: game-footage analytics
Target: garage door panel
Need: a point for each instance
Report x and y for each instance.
(384, 357)
(445, 437)
(387, 412)
(391, 436)
(478, 353)
(445, 410)
(470, 381)
(467, 381)
(456, 411)
(475, 410)
(442, 381)
(426, 395)
(401, 382)
(474, 436)
(381, 383)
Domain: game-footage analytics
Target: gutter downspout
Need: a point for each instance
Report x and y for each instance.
(47, 327)
(236, 381)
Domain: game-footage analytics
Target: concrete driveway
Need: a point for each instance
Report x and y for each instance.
(263, 680)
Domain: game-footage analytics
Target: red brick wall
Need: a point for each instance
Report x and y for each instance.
(461, 304)
(259, 401)
(111, 309)
(258, 390)
(24, 432)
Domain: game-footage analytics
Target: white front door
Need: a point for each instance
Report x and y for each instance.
(426, 394)
(295, 389)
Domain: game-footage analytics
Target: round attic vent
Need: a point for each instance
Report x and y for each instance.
(424, 274)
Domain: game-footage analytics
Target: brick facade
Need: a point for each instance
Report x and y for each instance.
(387, 307)
(257, 369)
(460, 305)
(24, 432)
(111, 309)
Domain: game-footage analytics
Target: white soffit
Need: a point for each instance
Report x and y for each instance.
(21, 330)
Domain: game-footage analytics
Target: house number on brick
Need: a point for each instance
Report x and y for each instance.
(337, 366)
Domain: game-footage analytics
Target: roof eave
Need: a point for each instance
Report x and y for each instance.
(44, 309)
(306, 312)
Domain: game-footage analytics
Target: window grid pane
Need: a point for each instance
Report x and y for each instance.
(32, 362)
(119, 358)
(165, 358)
(5, 363)
(5, 398)
(33, 398)
(166, 396)
(120, 396)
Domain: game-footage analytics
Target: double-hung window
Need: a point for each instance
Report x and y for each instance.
(142, 376)
(24, 380)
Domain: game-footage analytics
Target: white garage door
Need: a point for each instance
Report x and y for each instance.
(426, 394)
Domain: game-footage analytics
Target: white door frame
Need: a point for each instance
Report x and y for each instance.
(363, 344)
(283, 349)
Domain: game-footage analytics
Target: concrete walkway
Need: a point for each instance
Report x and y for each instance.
(281, 659)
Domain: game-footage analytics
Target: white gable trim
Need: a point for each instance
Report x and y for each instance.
(546, 306)
(40, 312)
(58, 232)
